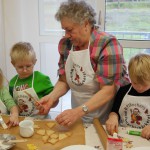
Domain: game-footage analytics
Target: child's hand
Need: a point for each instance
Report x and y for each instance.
(112, 123)
(146, 132)
(13, 120)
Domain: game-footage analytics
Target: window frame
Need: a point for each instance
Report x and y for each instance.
(143, 44)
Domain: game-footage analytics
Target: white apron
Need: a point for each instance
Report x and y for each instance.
(3, 108)
(81, 80)
(134, 111)
(25, 103)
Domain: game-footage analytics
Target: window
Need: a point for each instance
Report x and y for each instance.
(129, 21)
(47, 10)
(129, 52)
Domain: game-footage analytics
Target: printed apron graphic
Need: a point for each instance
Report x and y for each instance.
(78, 76)
(135, 116)
(26, 104)
(134, 111)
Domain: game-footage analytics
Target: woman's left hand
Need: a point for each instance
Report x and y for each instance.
(68, 117)
(146, 132)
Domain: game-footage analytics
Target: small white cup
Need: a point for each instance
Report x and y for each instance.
(26, 128)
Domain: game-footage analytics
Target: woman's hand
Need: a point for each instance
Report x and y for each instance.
(51, 100)
(68, 117)
(45, 104)
(146, 132)
(13, 120)
(112, 123)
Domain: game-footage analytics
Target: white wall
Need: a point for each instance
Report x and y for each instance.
(20, 24)
(2, 47)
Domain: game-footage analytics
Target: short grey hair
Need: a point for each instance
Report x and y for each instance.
(78, 11)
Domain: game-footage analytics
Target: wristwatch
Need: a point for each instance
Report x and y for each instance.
(85, 108)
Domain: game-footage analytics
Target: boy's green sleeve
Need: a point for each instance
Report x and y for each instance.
(43, 85)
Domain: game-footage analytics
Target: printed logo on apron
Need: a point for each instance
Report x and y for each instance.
(134, 111)
(25, 102)
(78, 75)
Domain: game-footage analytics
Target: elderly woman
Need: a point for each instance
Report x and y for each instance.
(91, 65)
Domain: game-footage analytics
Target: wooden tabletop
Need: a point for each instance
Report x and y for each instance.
(77, 137)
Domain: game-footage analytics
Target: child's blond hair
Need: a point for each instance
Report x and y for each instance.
(139, 68)
(22, 51)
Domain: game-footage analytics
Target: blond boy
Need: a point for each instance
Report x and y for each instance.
(28, 86)
(132, 102)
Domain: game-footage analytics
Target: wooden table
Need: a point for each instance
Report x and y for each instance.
(93, 135)
(77, 137)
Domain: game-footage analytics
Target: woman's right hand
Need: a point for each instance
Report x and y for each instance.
(51, 100)
(46, 103)
(112, 123)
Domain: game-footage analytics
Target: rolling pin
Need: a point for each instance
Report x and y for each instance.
(101, 132)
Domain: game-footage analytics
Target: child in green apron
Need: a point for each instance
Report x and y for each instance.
(28, 86)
